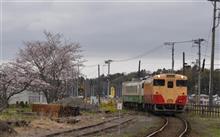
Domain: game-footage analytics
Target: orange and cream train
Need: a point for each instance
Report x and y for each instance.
(160, 93)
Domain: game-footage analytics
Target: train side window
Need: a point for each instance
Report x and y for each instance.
(181, 83)
(170, 84)
(159, 82)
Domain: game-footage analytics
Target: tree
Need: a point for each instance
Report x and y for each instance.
(13, 80)
(53, 63)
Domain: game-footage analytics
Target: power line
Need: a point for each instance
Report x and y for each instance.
(210, 57)
(128, 59)
(90, 66)
(173, 44)
(140, 55)
(214, 64)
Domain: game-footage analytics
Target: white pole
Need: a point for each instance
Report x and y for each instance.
(119, 130)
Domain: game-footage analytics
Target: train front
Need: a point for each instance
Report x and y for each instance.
(169, 92)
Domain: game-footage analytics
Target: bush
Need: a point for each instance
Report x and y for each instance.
(22, 104)
(108, 107)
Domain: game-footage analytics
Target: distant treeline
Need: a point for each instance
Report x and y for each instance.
(99, 86)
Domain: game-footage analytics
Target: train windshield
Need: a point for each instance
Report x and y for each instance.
(170, 84)
(159, 82)
(181, 83)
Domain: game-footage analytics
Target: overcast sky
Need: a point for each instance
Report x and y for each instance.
(113, 30)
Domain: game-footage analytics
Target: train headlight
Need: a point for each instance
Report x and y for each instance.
(158, 76)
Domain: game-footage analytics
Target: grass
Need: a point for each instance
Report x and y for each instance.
(204, 126)
(16, 113)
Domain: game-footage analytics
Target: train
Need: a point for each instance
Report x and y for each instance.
(158, 93)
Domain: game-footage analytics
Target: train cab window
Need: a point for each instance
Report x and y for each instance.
(170, 84)
(159, 82)
(181, 83)
(142, 85)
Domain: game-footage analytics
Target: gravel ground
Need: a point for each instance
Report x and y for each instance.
(174, 128)
(136, 128)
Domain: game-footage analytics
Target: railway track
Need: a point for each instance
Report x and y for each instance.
(171, 127)
(92, 129)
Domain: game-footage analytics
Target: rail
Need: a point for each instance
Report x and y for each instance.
(185, 129)
(93, 129)
(160, 128)
(169, 126)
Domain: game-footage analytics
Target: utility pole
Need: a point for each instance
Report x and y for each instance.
(91, 88)
(72, 83)
(139, 69)
(214, 26)
(183, 63)
(171, 44)
(108, 62)
(77, 80)
(99, 92)
(98, 71)
(172, 57)
(198, 42)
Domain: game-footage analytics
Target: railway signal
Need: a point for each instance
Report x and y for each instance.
(198, 42)
(108, 62)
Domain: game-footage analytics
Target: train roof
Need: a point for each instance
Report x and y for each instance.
(134, 82)
(159, 76)
(170, 75)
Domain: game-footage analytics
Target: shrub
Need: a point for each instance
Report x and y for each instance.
(109, 106)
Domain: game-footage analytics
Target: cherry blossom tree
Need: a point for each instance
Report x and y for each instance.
(13, 80)
(52, 62)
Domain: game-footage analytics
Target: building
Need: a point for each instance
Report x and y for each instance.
(216, 99)
(204, 99)
(28, 97)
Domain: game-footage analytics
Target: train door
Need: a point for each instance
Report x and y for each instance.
(170, 93)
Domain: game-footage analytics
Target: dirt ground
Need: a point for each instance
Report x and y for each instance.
(44, 126)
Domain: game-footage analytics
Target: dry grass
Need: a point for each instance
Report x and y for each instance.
(13, 113)
(43, 125)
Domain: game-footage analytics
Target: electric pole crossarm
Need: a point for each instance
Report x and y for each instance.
(218, 19)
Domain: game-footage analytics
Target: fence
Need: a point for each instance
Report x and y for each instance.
(46, 109)
(204, 110)
(55, 110)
